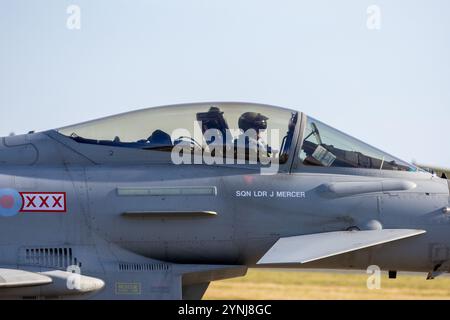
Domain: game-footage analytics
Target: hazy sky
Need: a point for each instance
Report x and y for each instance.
(389, 87)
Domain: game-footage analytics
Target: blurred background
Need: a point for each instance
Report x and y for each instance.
(378, 70)
(328, 285)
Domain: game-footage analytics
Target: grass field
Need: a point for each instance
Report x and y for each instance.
(284, 285)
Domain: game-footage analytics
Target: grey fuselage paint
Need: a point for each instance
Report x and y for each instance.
(246, 212)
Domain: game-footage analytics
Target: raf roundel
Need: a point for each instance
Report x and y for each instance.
(10, 202)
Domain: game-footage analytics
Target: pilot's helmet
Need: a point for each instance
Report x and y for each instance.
(252, 120)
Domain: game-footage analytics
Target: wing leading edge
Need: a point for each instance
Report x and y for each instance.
(311, 247)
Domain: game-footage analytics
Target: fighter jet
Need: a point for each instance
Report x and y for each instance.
(157, 203)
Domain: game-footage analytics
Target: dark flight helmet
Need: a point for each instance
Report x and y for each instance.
(252, 120)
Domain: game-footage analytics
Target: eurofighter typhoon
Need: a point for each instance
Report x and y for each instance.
(157, 203)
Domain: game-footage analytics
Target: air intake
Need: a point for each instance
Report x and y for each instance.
(56, 257)
(136, 267)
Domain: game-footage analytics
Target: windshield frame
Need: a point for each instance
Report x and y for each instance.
(299, 167)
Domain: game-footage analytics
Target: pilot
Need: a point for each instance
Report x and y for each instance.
(252, 125)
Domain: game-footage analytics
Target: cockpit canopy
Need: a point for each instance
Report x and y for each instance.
(199, 125)
(225, 126)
